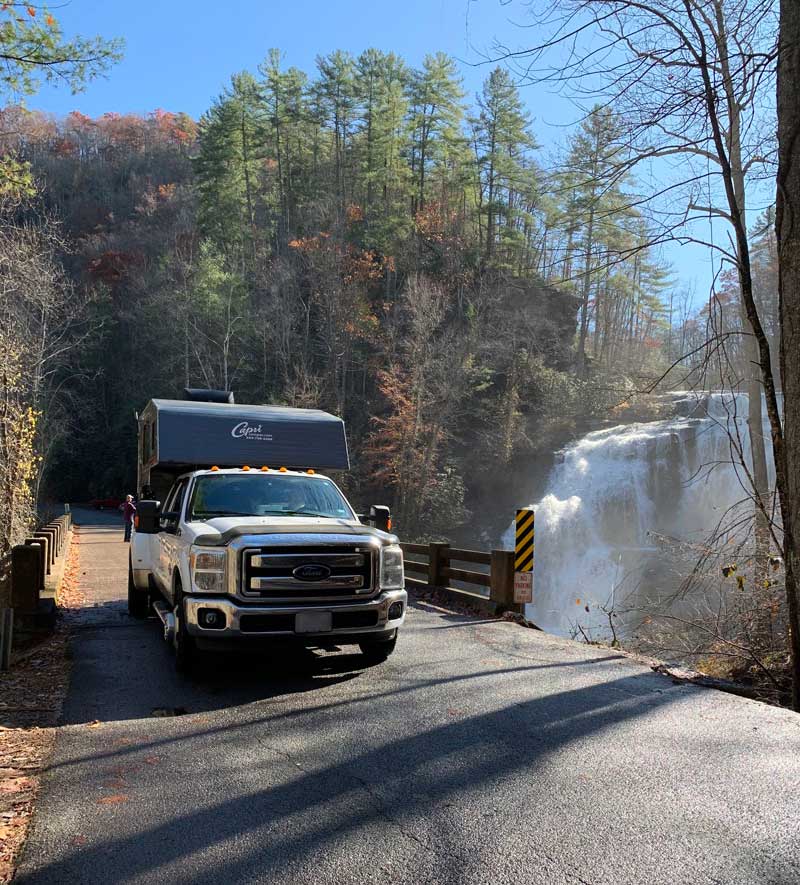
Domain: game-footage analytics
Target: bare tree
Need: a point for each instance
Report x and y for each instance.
(692, 79)
(788, 235)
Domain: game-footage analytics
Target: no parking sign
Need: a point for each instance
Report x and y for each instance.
(523, 556)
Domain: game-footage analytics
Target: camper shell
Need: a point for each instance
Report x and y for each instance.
(276, 554)
(178, 436)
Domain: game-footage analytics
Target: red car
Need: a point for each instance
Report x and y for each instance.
(105, 503)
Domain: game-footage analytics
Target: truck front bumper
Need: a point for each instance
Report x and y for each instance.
(354, 622)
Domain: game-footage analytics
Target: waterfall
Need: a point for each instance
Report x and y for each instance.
(616, 494)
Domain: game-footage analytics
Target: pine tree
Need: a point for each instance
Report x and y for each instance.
(503, 141)
(231, 143)
(381, 82)
(597, 199)
(436, 99)
(335, 92)
(284, 102)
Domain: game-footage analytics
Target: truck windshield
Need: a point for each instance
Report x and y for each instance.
(266, 495)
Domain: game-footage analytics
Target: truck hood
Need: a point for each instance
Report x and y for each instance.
(221, 531)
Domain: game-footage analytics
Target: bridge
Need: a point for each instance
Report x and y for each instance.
(481, 752)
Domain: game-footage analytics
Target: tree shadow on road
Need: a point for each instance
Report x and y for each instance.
(395, 784)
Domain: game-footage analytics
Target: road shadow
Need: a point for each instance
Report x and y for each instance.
(123, 669)
(395, 783)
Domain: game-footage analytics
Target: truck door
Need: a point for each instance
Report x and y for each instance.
(168, 537)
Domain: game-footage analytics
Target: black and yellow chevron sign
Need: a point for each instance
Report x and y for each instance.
(523, 551)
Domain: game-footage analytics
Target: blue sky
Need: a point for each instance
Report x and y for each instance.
(181, 53)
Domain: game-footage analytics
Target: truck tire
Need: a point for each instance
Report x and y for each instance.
(138, 600)
(182, 643)
(378, 652)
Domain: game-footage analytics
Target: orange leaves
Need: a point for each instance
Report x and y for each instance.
(353, 265)
(354, 213)
(113, 800)
(436, 224)
(177, 128)
(305, 244)
(51, 22)
(31, 11)
(363, 266)
(111, 267)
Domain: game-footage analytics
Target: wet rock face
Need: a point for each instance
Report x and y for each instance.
(546, 316)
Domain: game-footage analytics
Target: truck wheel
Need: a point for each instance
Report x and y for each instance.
(183, 644)
(138, 600)
(378, 652)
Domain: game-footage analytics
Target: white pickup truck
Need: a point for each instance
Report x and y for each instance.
(240, 557)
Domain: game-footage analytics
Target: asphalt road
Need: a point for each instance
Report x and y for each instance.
(481, 752)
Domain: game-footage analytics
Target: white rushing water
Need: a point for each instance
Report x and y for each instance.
(614, 497)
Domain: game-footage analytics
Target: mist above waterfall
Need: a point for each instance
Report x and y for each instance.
(622, 500)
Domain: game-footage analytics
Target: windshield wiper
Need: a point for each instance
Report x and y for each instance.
(203, 514)
(305, 513)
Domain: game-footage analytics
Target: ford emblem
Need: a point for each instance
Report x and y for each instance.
(311, 572)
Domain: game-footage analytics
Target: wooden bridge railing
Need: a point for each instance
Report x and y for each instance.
(490, 588)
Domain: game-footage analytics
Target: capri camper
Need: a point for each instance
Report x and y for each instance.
(241, 540)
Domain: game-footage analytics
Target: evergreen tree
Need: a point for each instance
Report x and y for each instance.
(597, 199)
(437, 110)
(381, 82)
(335, 91)
(283, 95)
(228, 167)
(503, 141)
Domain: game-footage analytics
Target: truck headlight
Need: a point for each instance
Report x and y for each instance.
(208, 570)
(392, 575)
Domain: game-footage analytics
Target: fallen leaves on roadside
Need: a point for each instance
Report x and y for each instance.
(31, 695)
(112, 800)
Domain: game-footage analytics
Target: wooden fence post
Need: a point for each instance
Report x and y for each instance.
(502, 586)
(435, 562)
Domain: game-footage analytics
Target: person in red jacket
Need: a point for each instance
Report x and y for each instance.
(128, 512)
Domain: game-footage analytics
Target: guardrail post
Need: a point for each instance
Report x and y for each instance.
(47, 544)
(40, 546)
(501, 590)
(24, 578)
(435, 562)
(6, 637)
(52, 534)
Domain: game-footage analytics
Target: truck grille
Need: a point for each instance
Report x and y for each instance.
(309, 574)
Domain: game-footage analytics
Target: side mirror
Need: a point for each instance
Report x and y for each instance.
(380, 517)
(148, 516)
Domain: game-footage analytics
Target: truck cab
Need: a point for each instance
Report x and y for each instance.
(247, 556)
